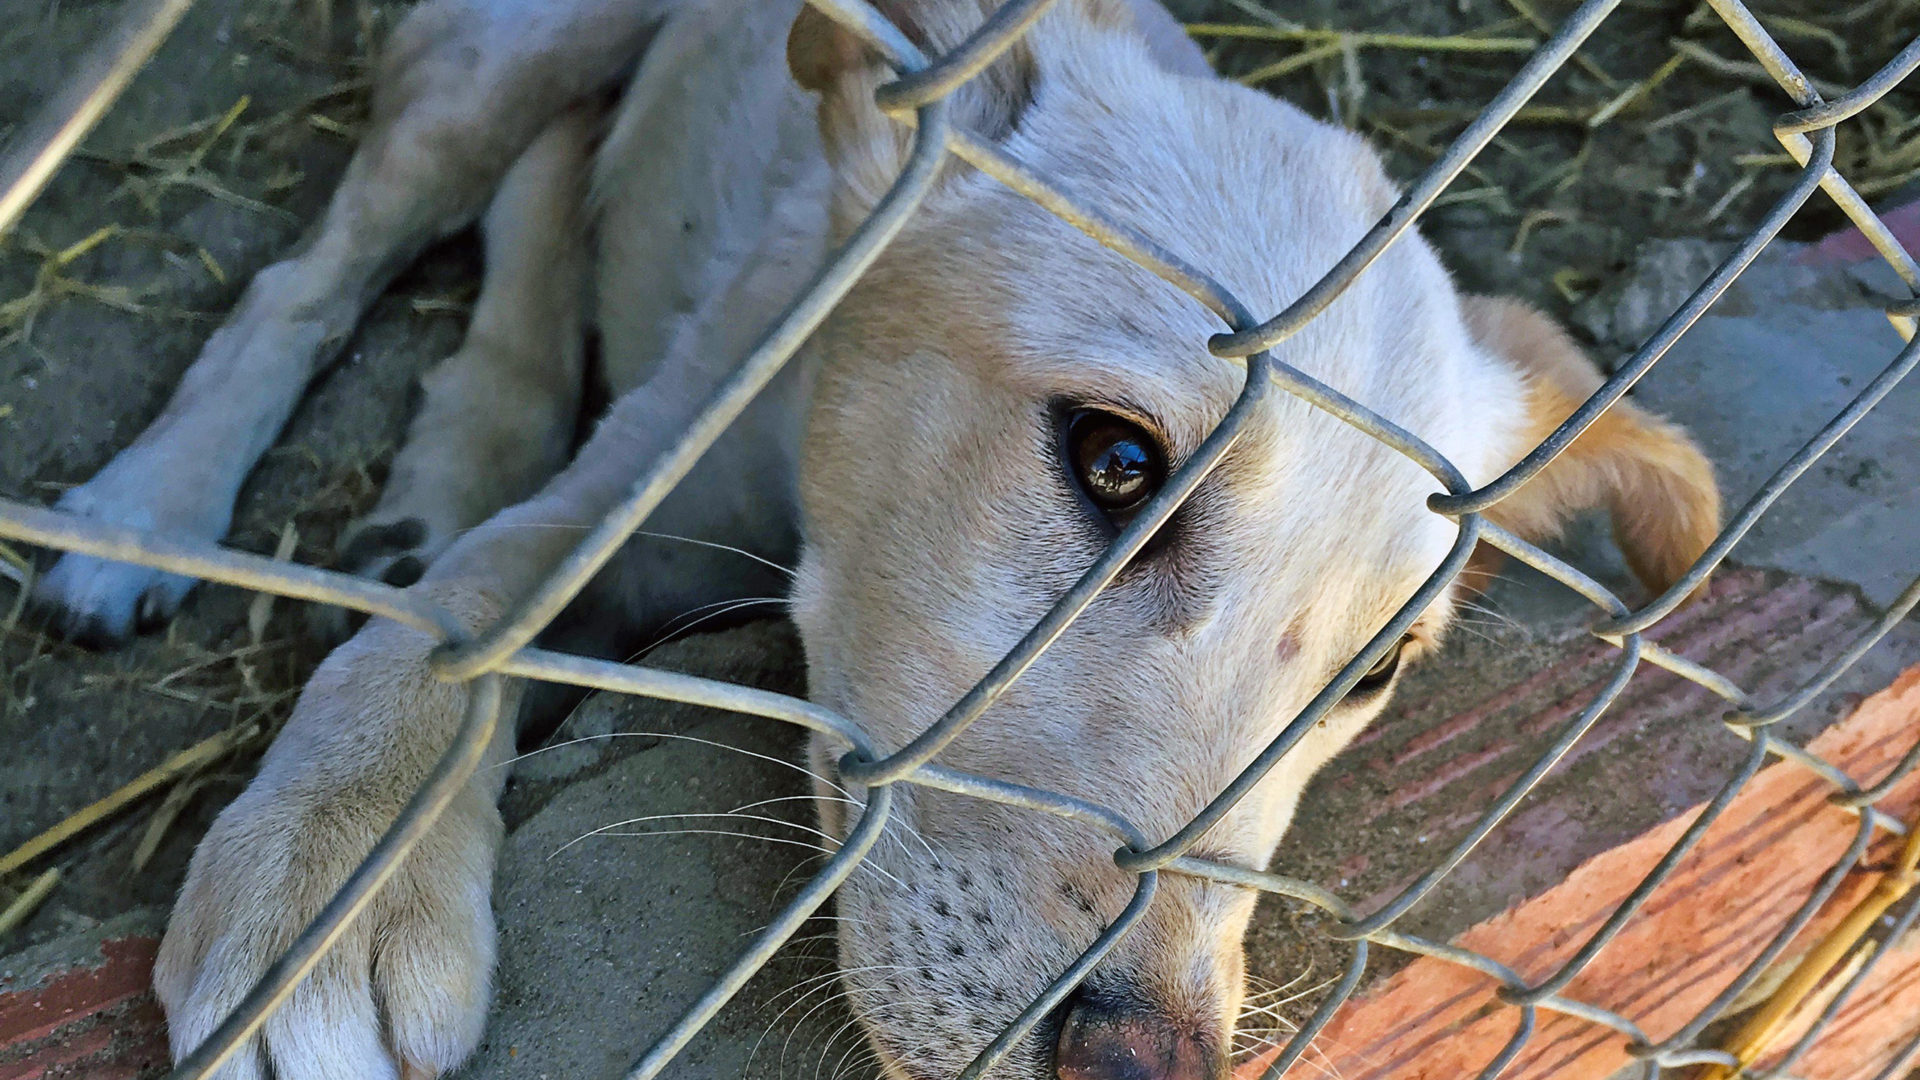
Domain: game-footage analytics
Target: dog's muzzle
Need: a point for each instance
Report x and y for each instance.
(1105, 1040)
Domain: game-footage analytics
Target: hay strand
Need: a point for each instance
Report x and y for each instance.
(1752, 1040)
(28, 902)
(184, 763)
(1363, 39)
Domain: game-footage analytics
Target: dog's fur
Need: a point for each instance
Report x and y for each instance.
(915, 449)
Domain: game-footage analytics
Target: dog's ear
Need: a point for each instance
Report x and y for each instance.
(1645, 470)
(867, 148)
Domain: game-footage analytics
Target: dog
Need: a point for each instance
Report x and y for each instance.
(991, 403)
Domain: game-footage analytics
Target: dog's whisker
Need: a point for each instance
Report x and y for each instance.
(1308, 991)
(670, 631)
(800, 1025)
(718, 609)
(510, 526)
(504, 526)
(846, 993)
(762, 803)
(1267, 1004)
(728, 603)
(891, 821)
(763, 818)
(815, 918)
(782, 762)
(1269, 1040)
(1325, 1065)
(517, 758)
(611, 831)
(1287, 991)
(1257, 1035)
(726, 608)
(1267, 1008)
(813, 985)
(787, 877)
(1263, 1025)
(791, 948)
(817, 983)
(910, 831)
(1494, 614)
(835, 1037)
(1269, 988)
(868, 1058)
(840, 1067)
(1465, 626)
(697, 815)
(826, 978)
(717, 546)
(1269, 1012)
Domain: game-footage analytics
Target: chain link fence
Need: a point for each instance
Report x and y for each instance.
(918, 96)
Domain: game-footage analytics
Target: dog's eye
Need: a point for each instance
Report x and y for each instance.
(1118, 464)
(1378, 676)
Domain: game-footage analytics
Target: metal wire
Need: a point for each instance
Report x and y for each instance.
(1538, 69)
(1877, 953)
(918, 99)
(450, 774)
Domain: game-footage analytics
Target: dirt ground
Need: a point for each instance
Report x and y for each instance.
(228, 145)
(214, 160)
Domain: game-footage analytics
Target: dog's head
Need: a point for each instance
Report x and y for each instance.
(995, 399)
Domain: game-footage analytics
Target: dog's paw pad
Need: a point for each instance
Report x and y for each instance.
(406, 985)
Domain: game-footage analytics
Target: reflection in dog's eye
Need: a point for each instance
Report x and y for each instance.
(1118, 465)
(1380, 674)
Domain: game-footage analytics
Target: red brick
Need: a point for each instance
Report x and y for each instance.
(1436, 1020)
(97, 1022)
(125, 970)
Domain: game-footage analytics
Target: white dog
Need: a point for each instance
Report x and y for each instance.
(991, 403)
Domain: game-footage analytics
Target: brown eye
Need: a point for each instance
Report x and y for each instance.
(1118, 465)
(1382, 672)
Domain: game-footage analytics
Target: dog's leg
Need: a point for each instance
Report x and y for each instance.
(497, 418)
(464, 88)
(404, 993)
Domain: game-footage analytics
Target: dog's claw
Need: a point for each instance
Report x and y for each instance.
(100, 604)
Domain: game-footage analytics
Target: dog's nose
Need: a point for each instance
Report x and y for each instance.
(1103, 1041)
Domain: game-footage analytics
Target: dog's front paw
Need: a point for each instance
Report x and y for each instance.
(99, 603)
(404, 991)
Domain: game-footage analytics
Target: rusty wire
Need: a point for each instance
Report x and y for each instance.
(918, 98)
